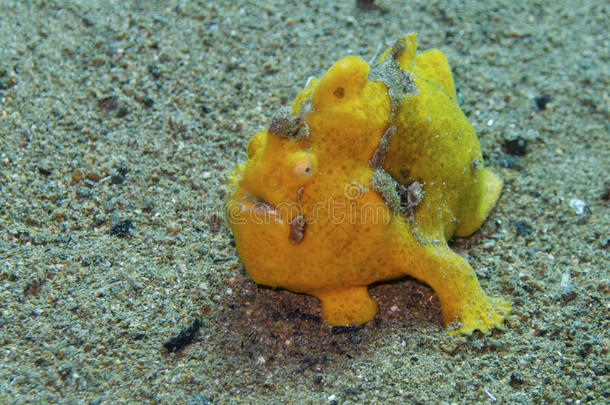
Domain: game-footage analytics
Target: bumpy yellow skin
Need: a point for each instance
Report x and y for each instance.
(353, 236)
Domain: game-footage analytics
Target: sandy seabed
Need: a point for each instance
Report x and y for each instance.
(119, 123)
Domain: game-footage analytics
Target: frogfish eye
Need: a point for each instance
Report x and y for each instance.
(305, 165)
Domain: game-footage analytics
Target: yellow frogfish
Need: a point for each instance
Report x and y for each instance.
(365, 179)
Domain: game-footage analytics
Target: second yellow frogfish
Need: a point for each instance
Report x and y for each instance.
(365, 179)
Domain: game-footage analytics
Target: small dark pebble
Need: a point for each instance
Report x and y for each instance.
(586, 349)
(523, 228)
(367, 5)
(122, 229)
(317, 379)
(123, 111)
(270, 70)
(515, 147)
(148, 102)
(44, 170)
(154, 72)
(351, 391)
(117, 179)
(568, 295)
(41, 362)
(122, 170)
(221, 259)
(516, 380)
(184, 338)
(206, 109)
(542, 102)
(414, 359)
(231, 66)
